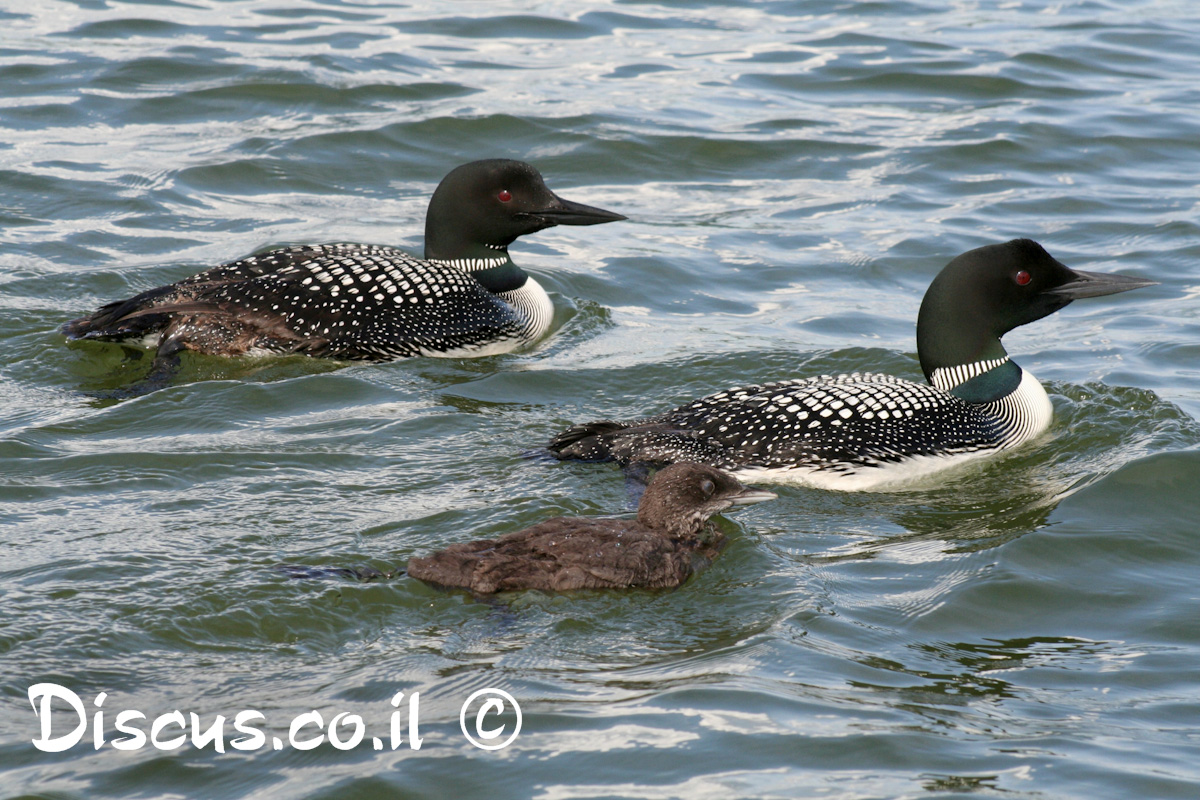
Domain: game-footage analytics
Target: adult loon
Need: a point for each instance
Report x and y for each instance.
(865, 430)
(368, 302)
(668, 541)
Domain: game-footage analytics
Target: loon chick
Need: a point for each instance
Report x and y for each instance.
(670, 539)
(368, 302)
(862, 430)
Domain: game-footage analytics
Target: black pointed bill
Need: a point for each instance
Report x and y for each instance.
(568, 212)
(1097, 284)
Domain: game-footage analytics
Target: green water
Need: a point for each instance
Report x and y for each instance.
(795, 173)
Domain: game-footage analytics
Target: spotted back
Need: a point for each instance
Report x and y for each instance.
(360, 301)
(825, 422)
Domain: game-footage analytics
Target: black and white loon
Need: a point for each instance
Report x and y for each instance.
(368, 302)
(864, 430)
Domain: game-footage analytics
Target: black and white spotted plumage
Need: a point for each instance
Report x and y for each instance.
(836, 431)
(369, 302)
(864, 430)
(345, 301)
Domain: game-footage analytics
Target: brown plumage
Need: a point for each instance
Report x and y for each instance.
(668, 541)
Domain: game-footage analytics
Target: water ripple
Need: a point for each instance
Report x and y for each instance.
(794, 176)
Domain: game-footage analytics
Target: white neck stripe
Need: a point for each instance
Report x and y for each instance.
(948, 378)
(471, 264)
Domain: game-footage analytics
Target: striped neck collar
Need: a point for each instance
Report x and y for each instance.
(948, 378)
(497, 274)
(474, 264)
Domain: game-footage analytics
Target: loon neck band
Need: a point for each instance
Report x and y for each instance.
(980, 381)
(497, 274)
(474, 264)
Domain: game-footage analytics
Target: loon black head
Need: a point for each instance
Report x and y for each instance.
(482, 207)
(985, 293)
(682, 497)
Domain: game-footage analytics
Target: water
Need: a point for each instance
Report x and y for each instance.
(794, 174)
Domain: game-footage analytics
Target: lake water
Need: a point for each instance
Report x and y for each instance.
(794, 173)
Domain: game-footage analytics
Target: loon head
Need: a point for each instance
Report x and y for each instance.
(682, 497)
(986, 292)
(481, 207)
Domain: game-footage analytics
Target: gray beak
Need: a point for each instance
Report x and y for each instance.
(749, 496)
(1097, 284)
(568, 212)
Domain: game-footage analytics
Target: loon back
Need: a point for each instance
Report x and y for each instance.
(346, 301)
(354, 301)
(844, 431)
(864, 430)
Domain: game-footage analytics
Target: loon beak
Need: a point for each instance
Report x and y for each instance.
(749, 496)
(1097, 284)
(568, 212)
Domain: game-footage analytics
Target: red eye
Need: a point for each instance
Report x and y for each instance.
(1022, 278)
(504, 196)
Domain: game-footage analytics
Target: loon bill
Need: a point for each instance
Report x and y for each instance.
(865, 430)
(369, 302)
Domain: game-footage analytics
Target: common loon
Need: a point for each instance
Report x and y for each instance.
(668, 541)
(368, 302)
(864, 430)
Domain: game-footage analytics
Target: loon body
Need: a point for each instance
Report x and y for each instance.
(368, 302)
(865, 430)
(668, 541)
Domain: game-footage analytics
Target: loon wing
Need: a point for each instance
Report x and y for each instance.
(374, 303)
(124, 319)
(820, 423)
(560, 554)
(337, 301)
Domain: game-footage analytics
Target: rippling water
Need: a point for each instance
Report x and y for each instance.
(794, 173)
